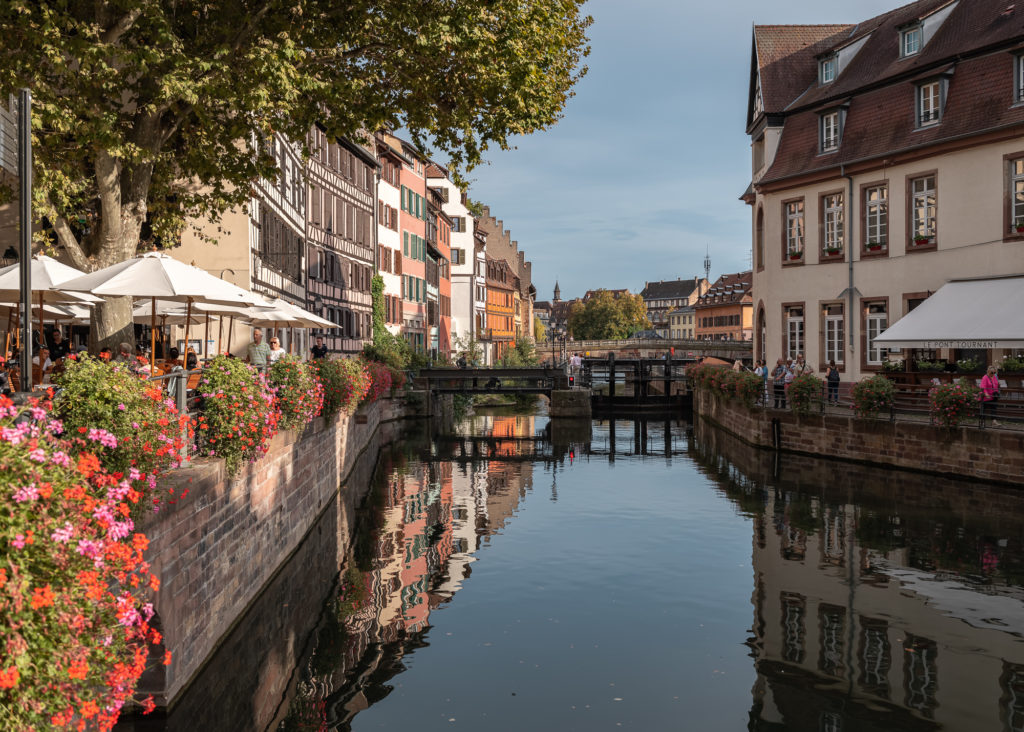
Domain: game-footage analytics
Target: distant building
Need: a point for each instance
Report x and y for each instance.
(681, 322)
(501, 245)
(725, 311)
(501, 287)
(663, 296)
(389, 238)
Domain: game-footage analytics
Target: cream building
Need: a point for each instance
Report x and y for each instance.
(887, 160)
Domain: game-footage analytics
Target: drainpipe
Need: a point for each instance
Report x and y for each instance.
(849, 256)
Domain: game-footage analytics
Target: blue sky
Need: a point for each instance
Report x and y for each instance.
(645, 171)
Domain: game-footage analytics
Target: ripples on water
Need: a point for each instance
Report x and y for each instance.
(515, 576)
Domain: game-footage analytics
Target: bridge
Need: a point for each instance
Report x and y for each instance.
(685, 348)
(519, 380)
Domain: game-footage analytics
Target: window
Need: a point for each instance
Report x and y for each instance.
(1017, 195)
(834, 329)
(832, 224)
(910, 41)
(827, 69)
(922, 207)
(794, 332)
(458, 256)
(1018, 81)
(829, 132)
(794, 229)
(876, 217)
(877, 322)
(929, 103)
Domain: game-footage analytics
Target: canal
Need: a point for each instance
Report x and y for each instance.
(644, 575)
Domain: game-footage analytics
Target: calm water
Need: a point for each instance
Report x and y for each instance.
(516, 576)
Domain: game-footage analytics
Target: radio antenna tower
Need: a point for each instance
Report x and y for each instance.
(707, 264)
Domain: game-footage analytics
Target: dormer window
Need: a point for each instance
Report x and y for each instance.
(1018, 78)
(929, 103)
(910, 40)
(827, 69)
(829, 131)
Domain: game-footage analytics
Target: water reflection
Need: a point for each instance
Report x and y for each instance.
(883, 600)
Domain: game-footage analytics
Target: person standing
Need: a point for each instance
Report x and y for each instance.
(779, 384)
(257, 353)
(990, 393)
(275, 350)
(319, 351)
(832, 378)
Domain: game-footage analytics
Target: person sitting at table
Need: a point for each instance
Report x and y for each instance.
(173, 359)
(41, 366)
(192, 364)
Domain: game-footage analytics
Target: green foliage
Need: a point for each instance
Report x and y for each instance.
(1012, 363)
(743, 386)
(148, 115)
(522, 353)
(300, 395)
(805, 393)
(471, 348)
(346, 381)
(968, 365)
(540, 333)
(873, 395)
(379, 309)
(950, 403)
(930, 365)
(99, 394)
(890, 366)
(607, 317)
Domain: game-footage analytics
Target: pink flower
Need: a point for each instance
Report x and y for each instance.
(63, 535)
(18, 542)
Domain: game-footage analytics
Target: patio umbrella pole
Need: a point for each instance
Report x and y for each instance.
(206, 337)
(220, 333)
(188, 321)
(231, 325)
(152, 336)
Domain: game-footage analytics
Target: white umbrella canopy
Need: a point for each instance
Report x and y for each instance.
(47, 276)
(286, 314)
(170, 313)
(158, 276)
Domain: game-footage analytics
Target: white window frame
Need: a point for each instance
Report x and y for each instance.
(829, 131)
(922, 206)
(1018, 75)
(828, 69)
(794, 227)
(1016, 194)
(794, 332)
(835, 333)
(911, 40)
(832, 219)
(929, 103)
(876, 323)
(876, 215)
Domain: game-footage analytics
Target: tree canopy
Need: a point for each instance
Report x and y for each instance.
(150, 113)
(605, 316)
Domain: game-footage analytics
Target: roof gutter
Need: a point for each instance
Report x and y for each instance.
(850, 289)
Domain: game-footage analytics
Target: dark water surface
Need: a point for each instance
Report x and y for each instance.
(519, 576)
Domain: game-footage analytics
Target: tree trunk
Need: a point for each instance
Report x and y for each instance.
(111, 325)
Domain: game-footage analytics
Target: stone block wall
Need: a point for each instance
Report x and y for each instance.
(994, 455)
(216, 549)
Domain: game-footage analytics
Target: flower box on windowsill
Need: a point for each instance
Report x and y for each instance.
(920, 241)
(795, 256)
(832, 251)
(1019, 228)
(875, 246)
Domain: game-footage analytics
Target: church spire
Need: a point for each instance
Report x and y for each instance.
(558, 293)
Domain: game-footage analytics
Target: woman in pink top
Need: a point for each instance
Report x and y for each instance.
(990, 393)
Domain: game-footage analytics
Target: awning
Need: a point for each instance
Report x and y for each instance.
(974, 313)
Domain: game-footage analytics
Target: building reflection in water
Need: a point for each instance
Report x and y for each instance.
(882, 600)
(423, 526)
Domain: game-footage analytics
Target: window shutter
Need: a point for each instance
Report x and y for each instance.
(405, 243)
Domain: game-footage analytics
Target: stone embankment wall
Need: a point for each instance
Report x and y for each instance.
(992, 454)
(216, 549)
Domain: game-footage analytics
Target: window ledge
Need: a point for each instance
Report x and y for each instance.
(787, 262)
(824, 258)
(1013, 236)
(928, 246)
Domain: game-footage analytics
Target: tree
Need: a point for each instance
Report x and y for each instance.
(540, 333)
(149, 114)
(607, 317)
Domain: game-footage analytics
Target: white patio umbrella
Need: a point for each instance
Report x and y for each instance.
(47, 276)
(160, 277)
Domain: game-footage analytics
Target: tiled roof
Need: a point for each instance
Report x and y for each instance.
(879, 88)
(785, 58)
(668, 289)
(728, 289)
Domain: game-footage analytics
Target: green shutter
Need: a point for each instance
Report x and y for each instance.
(403, 198)
(405, 243)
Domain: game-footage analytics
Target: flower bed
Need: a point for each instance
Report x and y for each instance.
(744, 386)
(300, 395)
(951, 403)
(805, 393)
(346, 381)
(872, 396)
(73, 630)
(238, 417)
(126, 422)
(381, 381)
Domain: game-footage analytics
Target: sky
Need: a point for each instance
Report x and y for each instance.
(643, 174)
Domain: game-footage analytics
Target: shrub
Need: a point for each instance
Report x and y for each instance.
(873, 395)
(930, 365)
(300, 395)
(74, 632)
(97, 396)
(345, 381)
(893, 365)
(748, 387)
(238, 417)
(968, 365)
(745, 386)
(1012, 363)
(950, 403)
(380, 381)
(805, 393)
